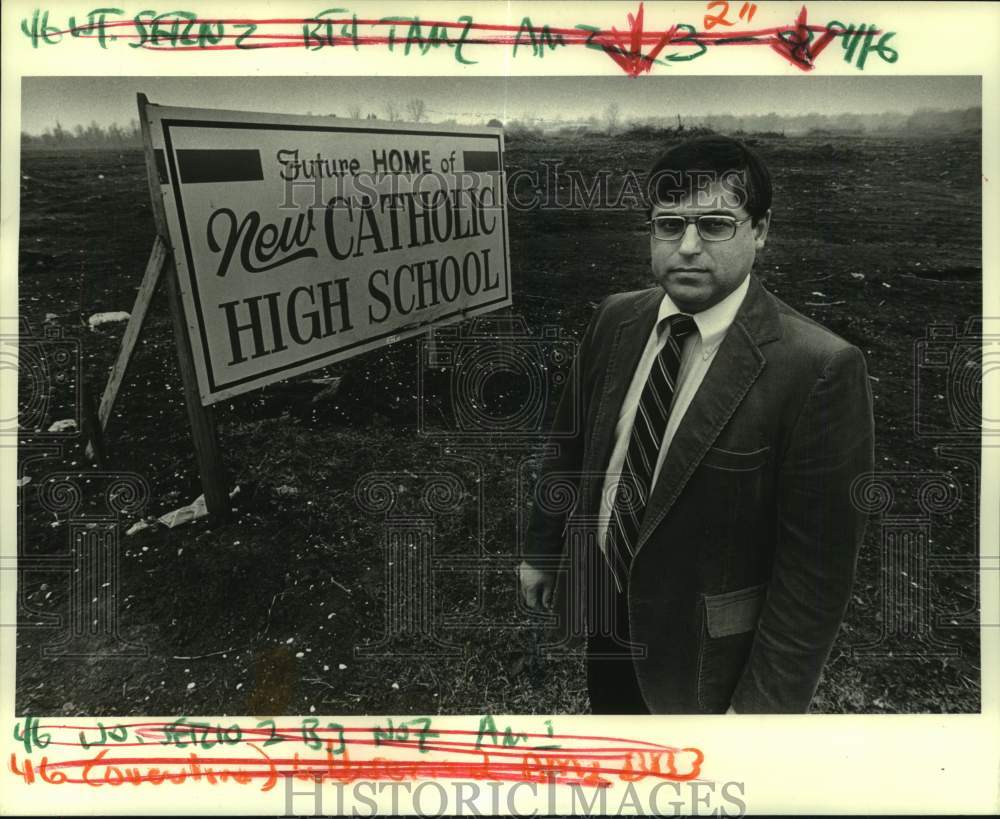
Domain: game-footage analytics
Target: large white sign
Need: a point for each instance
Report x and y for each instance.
(301, 241)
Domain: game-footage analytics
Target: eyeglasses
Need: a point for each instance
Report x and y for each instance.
(711, 227)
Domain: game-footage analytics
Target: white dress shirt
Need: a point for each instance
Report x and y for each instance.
(696, 357)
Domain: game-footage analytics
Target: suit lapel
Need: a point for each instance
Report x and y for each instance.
(627, 345)
(736, 365)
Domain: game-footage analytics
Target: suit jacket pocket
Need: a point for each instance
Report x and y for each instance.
(733, 612)
(729, 622)
(733, 461)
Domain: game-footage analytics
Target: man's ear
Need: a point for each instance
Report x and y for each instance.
(760, 230)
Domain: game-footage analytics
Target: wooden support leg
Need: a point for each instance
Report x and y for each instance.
(206, 444)
(92, 426)
(154, 268)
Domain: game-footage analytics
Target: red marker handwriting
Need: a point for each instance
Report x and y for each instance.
(345, 754)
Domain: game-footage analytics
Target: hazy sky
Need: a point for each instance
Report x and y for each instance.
(78, 100)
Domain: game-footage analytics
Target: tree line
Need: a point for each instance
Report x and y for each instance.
(86, 136)
(609, 120)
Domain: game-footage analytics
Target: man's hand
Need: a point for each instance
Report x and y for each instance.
(537, 586)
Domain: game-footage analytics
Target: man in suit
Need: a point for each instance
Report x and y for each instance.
(711, 436)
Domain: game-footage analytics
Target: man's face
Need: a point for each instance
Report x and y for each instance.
(697, 273)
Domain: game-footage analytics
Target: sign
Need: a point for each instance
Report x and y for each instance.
(302, 241)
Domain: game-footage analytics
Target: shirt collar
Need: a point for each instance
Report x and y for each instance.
(714, 322)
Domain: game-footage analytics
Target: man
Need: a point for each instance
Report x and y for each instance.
(720, 432)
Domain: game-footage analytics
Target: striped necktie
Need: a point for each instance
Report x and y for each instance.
(650, 423)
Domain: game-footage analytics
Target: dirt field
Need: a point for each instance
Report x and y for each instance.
(875, 237)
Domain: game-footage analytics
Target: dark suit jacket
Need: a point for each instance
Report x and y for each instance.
(745, 559)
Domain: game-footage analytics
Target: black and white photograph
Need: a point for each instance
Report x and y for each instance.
(529, 395)
(499, 408)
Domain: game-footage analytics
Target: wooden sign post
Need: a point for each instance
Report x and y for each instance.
(161, 266)
(202, 418)
(287, 243)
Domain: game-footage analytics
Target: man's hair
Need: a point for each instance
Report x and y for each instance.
(687, 167)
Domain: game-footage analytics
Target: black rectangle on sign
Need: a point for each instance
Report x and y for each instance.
(481, 160)
(219, 165)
